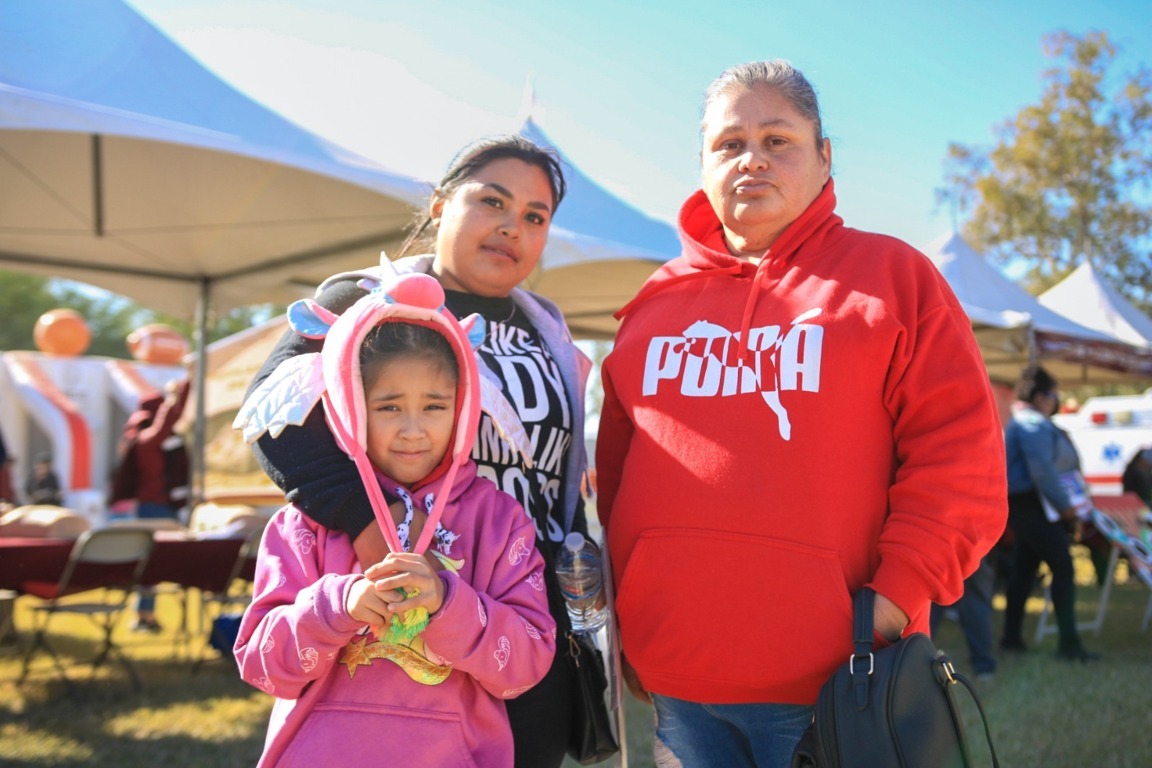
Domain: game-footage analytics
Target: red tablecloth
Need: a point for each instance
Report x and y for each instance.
(1126, 510)
(190, 562)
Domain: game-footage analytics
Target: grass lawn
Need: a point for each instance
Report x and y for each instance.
(1045, 713)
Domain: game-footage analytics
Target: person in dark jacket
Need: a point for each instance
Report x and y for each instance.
(1042, 467)
(43, 487)
(140, 481)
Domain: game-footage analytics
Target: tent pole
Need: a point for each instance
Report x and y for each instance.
(97, 185)
(200, 334)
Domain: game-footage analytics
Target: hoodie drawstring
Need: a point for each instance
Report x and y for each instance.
(780, 254)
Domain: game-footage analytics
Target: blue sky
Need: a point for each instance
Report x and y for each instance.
(618, 85)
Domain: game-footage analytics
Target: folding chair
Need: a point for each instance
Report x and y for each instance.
(108, 560)
(155, 524)
(236, 593)
(7, 618)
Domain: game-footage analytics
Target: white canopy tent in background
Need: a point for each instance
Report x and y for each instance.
(127, 165)
(1075, 354)
(1085, 297)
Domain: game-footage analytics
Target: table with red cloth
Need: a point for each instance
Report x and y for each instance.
(1122, 520)
(198, 563)
(190, 561)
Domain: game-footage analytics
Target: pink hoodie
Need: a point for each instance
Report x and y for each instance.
(343, 696)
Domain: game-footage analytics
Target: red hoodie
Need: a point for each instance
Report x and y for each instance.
(776, 436)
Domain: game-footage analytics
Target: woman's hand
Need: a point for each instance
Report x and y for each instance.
(887, 619)
(632, 680)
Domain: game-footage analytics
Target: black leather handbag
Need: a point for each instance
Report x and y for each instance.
(591, 738)
(894, 707)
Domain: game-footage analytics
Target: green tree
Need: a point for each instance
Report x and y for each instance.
(110, 317)
(1068, 178)
(25, 297)
(226, 324)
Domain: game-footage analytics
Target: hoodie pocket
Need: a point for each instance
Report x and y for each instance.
(733, 609)
(364, 734)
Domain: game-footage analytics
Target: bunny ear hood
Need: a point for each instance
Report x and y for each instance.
(333, 376)
(416, 299)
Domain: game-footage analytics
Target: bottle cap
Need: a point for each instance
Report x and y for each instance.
(574, 541)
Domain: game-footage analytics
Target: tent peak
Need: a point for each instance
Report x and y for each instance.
(530, 110)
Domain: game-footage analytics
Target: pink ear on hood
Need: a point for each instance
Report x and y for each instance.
(418, 290)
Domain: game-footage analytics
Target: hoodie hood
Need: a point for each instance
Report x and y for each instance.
(416, 299)
(333, 376)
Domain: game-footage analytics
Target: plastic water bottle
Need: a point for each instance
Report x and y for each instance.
(581, 578)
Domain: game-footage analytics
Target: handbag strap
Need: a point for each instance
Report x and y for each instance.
(956, 677)
(863, 605)
(862, 628)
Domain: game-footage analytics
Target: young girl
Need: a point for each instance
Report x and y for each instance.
(412, 669)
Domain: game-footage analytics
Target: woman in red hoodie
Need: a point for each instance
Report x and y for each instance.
(793, 410)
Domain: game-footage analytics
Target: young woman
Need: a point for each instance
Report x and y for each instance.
(410, 666)
(483, 233)
(1038, 453)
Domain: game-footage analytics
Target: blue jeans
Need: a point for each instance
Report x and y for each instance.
(727, 735)
(974, 610)
(146, 596)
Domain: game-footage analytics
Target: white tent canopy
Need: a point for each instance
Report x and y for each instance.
(1075, 354)
(129, 166)
(1085, 297)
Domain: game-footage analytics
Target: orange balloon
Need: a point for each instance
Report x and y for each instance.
(62, 332)
(158, 344)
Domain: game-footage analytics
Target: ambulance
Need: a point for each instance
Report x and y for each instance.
(1107, 432)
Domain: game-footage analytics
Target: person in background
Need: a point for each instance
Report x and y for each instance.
(974, 614)
(1137, 477)
(43, 487)
(1038, 454)
(406, 661)
(779, 345)
(139, 485)
(482, 234)
(178, 475)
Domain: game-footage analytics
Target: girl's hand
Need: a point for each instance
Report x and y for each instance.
(415, 574)
(379, 571)
(369, 605)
